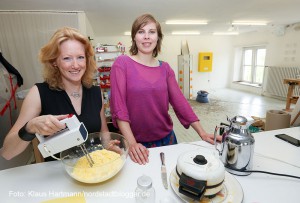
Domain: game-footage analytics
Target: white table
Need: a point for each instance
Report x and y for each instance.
(40, 182)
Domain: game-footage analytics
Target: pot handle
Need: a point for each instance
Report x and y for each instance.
(224, 127)
(215, 139)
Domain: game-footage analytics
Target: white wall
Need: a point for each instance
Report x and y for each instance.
(171, 48)
(282, 50)
(84, 25)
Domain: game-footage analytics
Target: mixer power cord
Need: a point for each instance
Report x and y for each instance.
(266, 172)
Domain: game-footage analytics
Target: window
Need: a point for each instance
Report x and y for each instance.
(253, 65)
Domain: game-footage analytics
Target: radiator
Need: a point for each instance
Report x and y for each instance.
(273, 80)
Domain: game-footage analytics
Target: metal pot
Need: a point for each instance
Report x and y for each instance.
(201, 173)
(237, 146)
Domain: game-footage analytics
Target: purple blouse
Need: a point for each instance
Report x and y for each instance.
(141, 95)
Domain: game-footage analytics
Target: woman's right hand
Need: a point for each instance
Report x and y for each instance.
(46, 125)
(139, 153)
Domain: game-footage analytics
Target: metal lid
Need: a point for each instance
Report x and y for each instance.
(144, 182)
(241, 120)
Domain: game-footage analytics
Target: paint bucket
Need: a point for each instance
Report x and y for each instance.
(202, 96)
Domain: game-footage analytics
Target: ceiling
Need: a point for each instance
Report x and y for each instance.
(114, 17)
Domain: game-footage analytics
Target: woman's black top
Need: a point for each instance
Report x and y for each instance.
(57, 102)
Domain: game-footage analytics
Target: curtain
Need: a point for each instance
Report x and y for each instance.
(24, 33)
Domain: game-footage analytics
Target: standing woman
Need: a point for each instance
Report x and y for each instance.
(69, 67)
(142, 88)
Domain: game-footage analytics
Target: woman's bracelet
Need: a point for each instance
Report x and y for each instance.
(24, 135)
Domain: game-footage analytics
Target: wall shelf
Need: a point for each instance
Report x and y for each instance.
(105, 56)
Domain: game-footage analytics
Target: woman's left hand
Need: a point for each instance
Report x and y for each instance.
(210, 138)
(205, 136)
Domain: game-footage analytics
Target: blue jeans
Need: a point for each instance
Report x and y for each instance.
(170, 139)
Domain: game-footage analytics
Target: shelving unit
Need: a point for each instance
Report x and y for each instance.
(105, 55)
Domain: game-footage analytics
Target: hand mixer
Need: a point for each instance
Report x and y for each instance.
(75, 134)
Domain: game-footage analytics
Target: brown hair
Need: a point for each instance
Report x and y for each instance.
(50, 52)
(140, 22)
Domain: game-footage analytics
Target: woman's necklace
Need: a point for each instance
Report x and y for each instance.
(76, 95)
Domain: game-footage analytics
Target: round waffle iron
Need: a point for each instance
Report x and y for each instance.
(201, 173)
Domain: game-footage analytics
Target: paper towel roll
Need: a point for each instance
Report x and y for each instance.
(276, 119)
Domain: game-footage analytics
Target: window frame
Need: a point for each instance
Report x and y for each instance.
(253, 63)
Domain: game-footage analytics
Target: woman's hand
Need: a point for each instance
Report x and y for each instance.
(46, 125)
(114, 145)
(205, 136)
(210, 138)
(139, 153)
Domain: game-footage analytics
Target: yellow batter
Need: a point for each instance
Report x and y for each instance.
(100, 171)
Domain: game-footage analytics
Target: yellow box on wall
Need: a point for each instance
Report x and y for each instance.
(205, 61)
